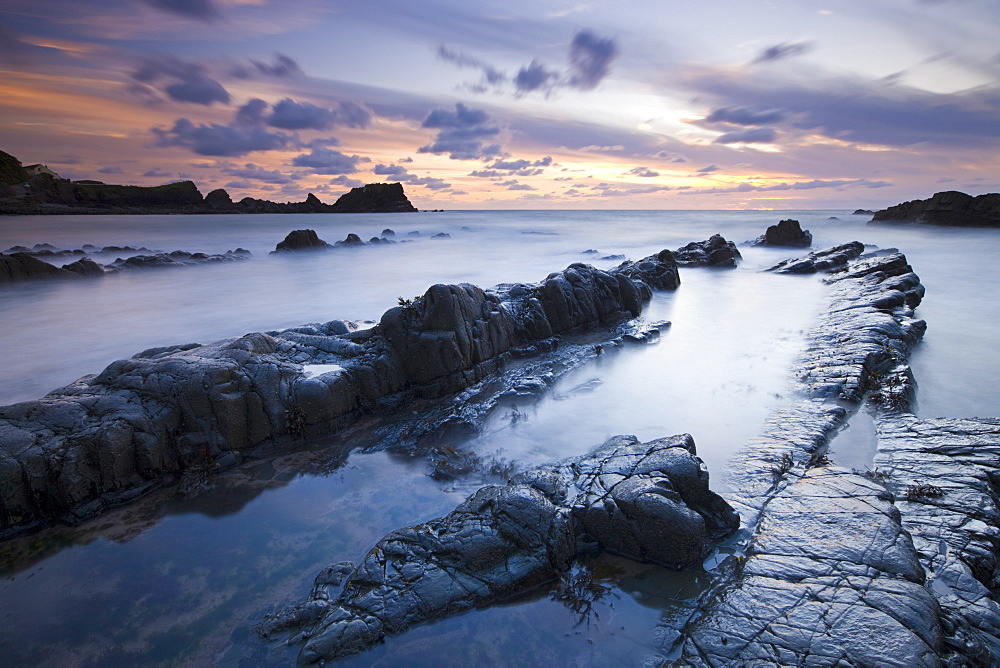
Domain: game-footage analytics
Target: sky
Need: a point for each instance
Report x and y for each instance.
(540, 104)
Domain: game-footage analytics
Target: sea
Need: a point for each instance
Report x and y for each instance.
(181, 578)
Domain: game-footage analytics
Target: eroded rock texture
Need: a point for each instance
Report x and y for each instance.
(830, 576)
(146, 420)
(644, 501)
(715, 251)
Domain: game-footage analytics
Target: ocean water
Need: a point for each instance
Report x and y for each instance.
(179, 580)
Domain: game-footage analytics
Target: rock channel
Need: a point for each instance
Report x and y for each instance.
(144, 421)
(895, 566)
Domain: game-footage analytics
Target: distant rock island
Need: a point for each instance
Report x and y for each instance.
(38, 190)
(947, 208)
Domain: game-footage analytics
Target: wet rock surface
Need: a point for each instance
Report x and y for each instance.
(715, 251)
(145, 421)
(649, 502)
(298, 240)
(832, 574)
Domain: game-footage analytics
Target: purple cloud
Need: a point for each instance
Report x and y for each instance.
(644, 172)
(745, 116)
(257, 173)
(779, 51)
(220, 140)
(328, 161)
(400, 173)
(461, 133)
(291, 115)
(204, 10)
(709, 168)
(801, 185)
(748, 136)
(346, 181)
(192, 81)
(533, 77)
(590, 59)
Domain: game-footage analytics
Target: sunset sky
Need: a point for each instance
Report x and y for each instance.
(634, 104)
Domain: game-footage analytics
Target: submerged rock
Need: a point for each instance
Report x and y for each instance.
(21, 266)
(649, 502)
(785, 233)
(144, 421)
(301, 240)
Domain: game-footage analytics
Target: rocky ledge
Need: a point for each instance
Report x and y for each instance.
(650, 502)
(146, 421)
(947, 208)
(893, 566)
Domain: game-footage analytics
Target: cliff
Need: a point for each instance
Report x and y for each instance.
(22, 193)
(374, 198)
(947, 208)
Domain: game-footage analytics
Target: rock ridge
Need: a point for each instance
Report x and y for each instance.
(144, 421)
(947, 208)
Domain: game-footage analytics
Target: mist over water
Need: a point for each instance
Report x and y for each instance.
(183, 580)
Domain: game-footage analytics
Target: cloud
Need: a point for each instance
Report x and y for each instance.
(533, 77)
(589, 56)
(291, 115)
(779, 51)
(284, 66)
(745, 116)
(590, 59)
(644, 172)
(399, 173)
(516, 185)
(801, 185)
(492, 77)
(243, 185)
(204, 10)
(609, 190)
(346, 181)
(748, 136)
(602, 149)
(461, 133)
(252, 113)
(514, 165)
(329, 161)
(220, 140)
(191, 80)
(113, 169)
(488, 174)
(709, 168)
(865, 111)
(156, 172)
(257, 173)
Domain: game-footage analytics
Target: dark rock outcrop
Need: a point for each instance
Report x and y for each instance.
(821, 260)
(298, 240)
(716, 251)
(175, 259)
(374, 198)
(144, 421)
(218, 200)
(947, 208)
(350, 240)
(180, 195)
(862, 212)
(24, 267)
(11, 170)
(85, 267)
(786, 233)
(649, 502)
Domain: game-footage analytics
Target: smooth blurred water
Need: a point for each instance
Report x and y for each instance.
(179, 581)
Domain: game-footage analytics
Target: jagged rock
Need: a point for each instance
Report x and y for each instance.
(24, 267)
(716, 251)
(85, 267)
(143, 421)
(374, 198)
(658, 271)
(11, 170)
(862, 212)
(649, 502)
(821, 260)
(301, 240)
(178, 196)
(441, 235)
(386, 233)
(947, 208)
(785, 233)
